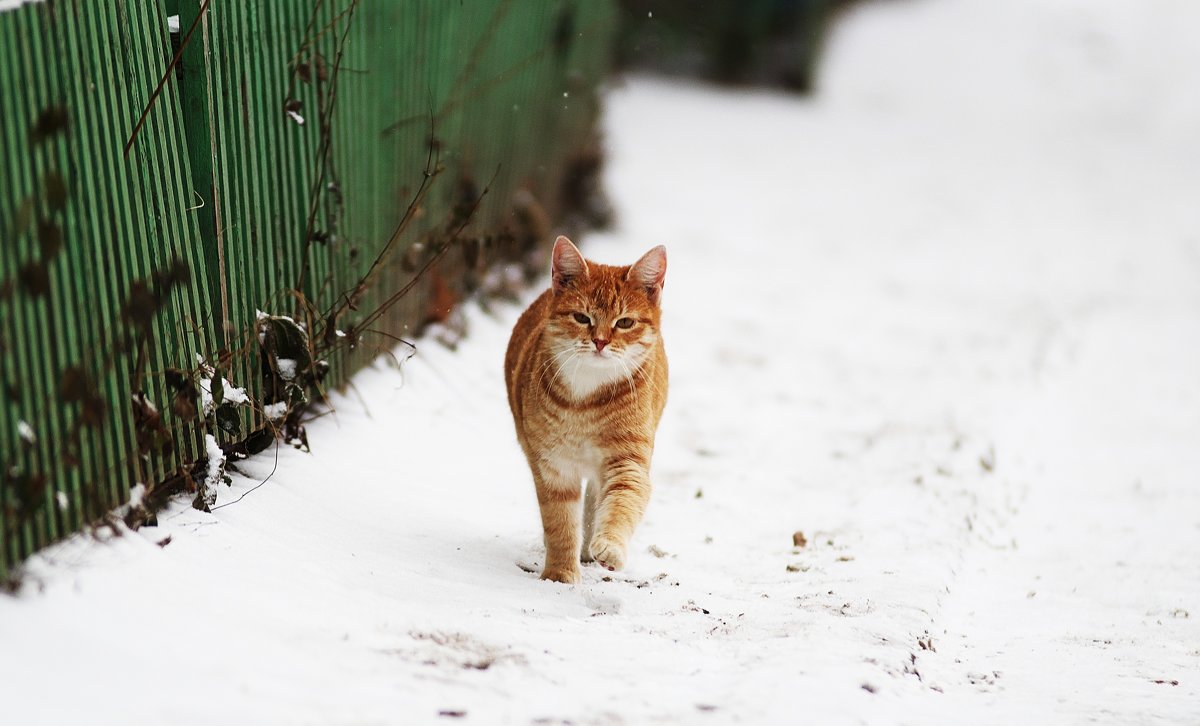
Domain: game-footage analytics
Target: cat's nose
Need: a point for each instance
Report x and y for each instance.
(600, 343)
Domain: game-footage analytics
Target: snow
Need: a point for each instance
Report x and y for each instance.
(136, 494)
(141, 402)
(14, 4)
(25, 431)
(231, 393)
(287, 368)
(275, 411)
(942, 320)
(214, 472)
(260, 316)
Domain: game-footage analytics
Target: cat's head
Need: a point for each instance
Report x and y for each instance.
(604, 319)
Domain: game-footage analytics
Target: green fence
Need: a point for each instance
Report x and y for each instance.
(355, 166)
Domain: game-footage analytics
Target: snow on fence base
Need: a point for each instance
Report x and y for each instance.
(138, 245)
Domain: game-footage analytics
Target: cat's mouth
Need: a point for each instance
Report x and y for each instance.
(605, 354)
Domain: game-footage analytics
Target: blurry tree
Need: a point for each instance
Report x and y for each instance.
(762, 42)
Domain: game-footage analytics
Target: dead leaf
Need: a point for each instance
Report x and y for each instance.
(56, 191)
(35, 279)
(52, 120)
(49, 238)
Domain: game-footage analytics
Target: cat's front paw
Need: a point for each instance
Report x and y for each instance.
(567, 575)
(609, 553)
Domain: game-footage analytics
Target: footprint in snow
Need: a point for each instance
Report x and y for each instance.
(455, 650)
(602, 603)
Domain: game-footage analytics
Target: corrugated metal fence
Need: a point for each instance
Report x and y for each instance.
(307, 158)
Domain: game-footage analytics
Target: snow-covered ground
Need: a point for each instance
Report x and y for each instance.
(944, 320)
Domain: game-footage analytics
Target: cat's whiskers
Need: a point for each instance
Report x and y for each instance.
(544, 368)
(651, 387)
(647, 381)
(629, 378)
(578, 362)
(572, 356)
(556, 358)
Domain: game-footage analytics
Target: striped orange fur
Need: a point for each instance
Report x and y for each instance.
(587, 382)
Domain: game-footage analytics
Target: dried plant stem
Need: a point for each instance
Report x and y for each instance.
(379, 311)
(162, 82)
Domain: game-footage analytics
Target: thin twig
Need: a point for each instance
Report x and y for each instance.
(412, 349)
(256, 486)
(166, 75)
(433, 259)
(432, 169)
(329, 26)
(396, 338)
(325, 149)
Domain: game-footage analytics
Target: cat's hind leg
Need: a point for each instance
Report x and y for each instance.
(591, 497)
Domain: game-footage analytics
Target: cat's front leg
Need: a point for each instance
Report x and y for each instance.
(559, 500)
(623, 500)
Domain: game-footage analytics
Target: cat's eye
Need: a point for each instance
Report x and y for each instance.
(582, 319)
(625, 323)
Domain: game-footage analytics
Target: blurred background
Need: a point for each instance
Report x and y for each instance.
(773, 43)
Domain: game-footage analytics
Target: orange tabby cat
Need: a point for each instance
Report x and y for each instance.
(587, 382)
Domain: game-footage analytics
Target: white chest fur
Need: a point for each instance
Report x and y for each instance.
(585, 372)
(589, 372)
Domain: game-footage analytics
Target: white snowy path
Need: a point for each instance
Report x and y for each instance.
(944, 320)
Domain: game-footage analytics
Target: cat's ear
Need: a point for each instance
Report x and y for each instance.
(650, 271)
(566, 264)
